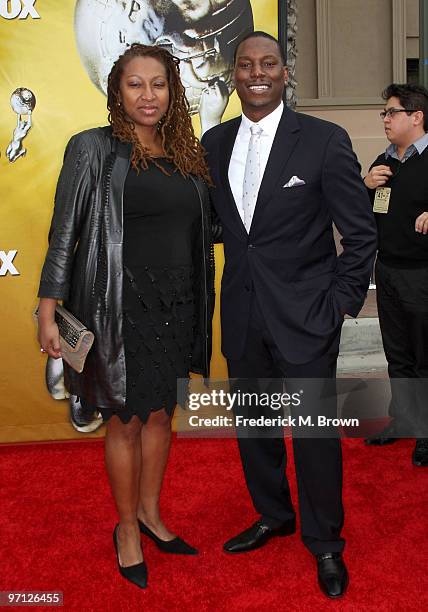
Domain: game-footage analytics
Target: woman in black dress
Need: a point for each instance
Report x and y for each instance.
(130, 254)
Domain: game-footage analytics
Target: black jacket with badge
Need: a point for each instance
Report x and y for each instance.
(399, 245)
(83, 265)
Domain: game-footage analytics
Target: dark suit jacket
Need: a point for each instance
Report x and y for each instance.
(289, 258)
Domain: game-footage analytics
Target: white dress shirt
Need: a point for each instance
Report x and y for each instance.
(269, 125)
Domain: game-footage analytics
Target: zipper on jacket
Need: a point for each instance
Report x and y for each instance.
(121, 256)
(205, 275)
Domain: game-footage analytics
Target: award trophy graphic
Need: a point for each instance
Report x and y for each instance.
(201, 33)
(22, 102)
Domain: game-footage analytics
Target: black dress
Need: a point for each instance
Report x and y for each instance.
(161, 221)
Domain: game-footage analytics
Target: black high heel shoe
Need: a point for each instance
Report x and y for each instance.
(177, 546)
(137, 574)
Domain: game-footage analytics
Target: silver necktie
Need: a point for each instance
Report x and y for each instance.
(251, 176)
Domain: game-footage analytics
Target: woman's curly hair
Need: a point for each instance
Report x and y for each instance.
(179, 142)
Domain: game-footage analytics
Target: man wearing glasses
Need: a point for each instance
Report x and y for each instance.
(398, 184)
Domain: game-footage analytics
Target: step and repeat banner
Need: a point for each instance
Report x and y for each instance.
(54, 60)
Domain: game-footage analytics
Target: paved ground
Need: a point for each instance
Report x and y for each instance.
(369, 309)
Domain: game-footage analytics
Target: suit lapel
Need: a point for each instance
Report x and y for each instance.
(286, 138)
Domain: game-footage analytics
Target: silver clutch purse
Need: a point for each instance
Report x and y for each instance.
(74, 337)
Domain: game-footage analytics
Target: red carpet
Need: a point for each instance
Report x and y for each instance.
(57, 519)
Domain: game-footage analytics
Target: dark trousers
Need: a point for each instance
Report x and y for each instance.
(402, 301)
(318, 460)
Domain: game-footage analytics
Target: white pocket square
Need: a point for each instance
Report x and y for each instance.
(295, 181)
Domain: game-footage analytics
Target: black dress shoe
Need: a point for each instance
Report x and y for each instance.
(257, 535)
(137, 574)
(387, 436)
(420, 454)
(177, 546)
(332, 574)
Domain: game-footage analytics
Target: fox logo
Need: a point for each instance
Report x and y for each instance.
(11, 9)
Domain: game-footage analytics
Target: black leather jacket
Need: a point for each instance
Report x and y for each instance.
(83, 265)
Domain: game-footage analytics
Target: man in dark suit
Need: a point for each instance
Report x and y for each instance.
(281, 179)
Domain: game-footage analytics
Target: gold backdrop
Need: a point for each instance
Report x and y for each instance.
(41, 55)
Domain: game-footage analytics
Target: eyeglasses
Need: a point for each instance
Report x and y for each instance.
(393, 111)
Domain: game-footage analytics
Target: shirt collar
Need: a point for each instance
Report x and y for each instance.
(269, 124)
(420, 145)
